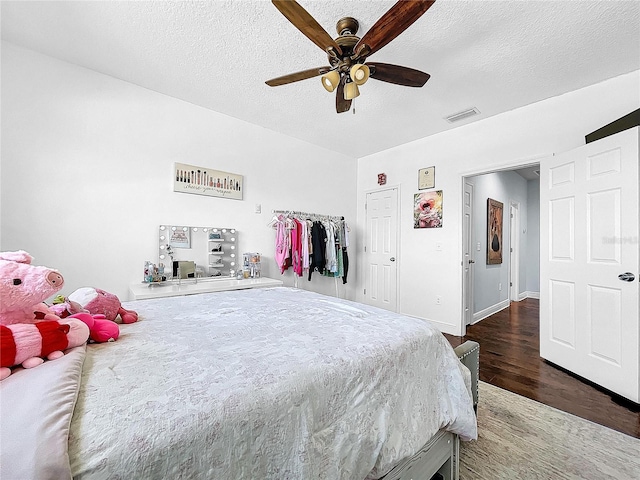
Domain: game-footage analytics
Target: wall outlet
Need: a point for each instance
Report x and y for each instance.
(438, 300)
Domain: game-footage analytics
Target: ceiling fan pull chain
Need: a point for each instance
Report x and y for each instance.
(354, 107)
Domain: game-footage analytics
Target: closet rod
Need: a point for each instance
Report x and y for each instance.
(306, 214)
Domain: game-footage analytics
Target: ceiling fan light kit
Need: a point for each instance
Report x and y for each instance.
(331, 80)
(348, 53)
(351, 91)
(359, 74)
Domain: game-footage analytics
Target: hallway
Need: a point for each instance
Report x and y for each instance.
(510, 359)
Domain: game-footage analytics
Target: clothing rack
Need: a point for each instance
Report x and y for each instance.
(314, 217)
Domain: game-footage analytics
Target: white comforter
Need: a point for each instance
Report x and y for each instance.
(264, 384)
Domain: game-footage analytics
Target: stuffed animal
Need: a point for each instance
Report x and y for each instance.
(100, 329)
(30, 343)
(23, 288)
(99, 302)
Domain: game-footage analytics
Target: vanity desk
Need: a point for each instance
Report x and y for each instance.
(143, 291)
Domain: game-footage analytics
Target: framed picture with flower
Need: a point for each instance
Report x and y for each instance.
(427, 210)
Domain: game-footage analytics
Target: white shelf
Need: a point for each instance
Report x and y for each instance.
(143, 291)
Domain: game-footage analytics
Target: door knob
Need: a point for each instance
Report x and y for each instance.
(472, 261)
(627, 277)
(393, 259)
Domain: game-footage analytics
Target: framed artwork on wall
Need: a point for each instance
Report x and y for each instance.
(205, 181)
(426, 178)
(494, 231)
(427, 210)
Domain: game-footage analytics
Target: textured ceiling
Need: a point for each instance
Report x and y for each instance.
(492, 55)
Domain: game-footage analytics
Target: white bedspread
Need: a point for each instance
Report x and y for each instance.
(264, 384)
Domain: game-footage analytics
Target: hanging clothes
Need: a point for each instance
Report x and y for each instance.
(317, 261)
(317, 243)
(304, 239)
(345, 256)
(281, 242)
(296, 247)
(330, 248)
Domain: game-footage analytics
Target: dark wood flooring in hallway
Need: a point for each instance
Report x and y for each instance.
(510, 359)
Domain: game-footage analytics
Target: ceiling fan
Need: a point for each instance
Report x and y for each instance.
(348, 53)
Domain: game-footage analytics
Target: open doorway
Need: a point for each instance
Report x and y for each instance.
(489, 287)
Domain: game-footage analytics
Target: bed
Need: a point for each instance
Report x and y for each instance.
(273, 383)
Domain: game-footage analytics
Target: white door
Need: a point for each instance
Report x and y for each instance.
(514, 253)
(468, 257)
(589, 322)
(380, 256)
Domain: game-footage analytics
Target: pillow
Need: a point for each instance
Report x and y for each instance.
(36, 406)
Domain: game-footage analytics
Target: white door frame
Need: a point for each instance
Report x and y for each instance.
(522, 163)
(398, 255)
(468, 257)
(514, 251)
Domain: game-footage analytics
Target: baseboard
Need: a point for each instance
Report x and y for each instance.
(528, 294)
(443, 327)
(487, 312)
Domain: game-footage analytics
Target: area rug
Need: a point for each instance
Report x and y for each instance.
(521, 439)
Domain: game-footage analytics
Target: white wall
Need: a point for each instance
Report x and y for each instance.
(491, 282)
(87, 168)
(513, 138)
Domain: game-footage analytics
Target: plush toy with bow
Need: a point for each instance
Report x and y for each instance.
(99, 302)
(100, 329)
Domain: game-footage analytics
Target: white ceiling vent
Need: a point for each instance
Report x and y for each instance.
(456, 117)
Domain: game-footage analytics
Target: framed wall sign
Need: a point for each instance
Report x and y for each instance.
(205, 181)
(426, 178)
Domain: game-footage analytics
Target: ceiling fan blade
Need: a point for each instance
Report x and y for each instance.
(303, 21)
(342, 105)
(397, 19)
(296, 77)
(406, 76)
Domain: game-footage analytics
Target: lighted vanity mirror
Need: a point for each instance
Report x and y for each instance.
(186, 252)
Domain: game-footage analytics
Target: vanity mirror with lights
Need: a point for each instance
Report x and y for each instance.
(197, 252)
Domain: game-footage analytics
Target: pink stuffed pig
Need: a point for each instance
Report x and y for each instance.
(99, 302)
(23, 288)
(30, 343)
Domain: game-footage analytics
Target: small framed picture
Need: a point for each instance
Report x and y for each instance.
(180, 237)
(426, 178)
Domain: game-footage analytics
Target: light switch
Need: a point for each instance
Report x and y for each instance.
(258, 208)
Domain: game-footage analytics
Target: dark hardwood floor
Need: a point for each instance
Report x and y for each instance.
(510, 359)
